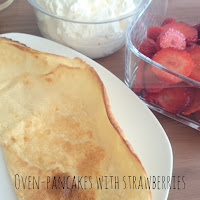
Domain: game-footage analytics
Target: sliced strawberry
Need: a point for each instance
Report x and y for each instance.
(197, 27)
(173, 100)
(138, 84)
(197, 116)
(152, 83)
(172, 38)
(190, 33)
(195, 105)
(188, 49)
(146, 96)
(168, 21)
(177, 60)
(158, 47)
(153, 32)
(195, 54)
(148, 47)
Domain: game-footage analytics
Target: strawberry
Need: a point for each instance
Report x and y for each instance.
(197, 116)
(190, 33)
(146, 96)
(188, 49)
(152, 83)
(168, 21)
(148, 47)
(195, 55)
(197, 27)
(138, 84)
(173, 100)
(172, 38)
(153, 32)
(177, 60)
(195, 105)
(158, 47)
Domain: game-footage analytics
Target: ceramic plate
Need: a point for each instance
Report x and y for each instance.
(140, 126)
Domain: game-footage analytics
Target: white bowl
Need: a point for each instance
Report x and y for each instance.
(93, 38)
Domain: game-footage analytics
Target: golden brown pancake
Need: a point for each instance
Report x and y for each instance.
(57, 131)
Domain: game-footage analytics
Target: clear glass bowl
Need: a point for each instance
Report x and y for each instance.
(93, 38)
(153, 15)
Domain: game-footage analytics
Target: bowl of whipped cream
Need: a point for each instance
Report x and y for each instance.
(95, 28)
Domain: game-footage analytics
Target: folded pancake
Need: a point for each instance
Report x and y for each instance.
(58, 134)
(16, 58)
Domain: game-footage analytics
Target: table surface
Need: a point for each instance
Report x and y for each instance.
(185, 141)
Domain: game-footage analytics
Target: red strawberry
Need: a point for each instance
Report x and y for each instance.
(168, 21)
(190, 33)
(195, 105)
(172, 38)
(197, 27)
(158, 48)
(197, 116)
(146, 96)
(138, 84)
(177, 60)
(148, 47)
(152, 83)
(188, 49)
(173, 100)
(153, 32)
(195, 54)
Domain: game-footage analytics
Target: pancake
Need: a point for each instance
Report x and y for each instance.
(58, 134)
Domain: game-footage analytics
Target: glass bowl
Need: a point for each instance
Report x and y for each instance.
(93, 38)
(153, 15)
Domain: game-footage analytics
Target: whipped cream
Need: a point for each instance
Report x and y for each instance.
(93, 40)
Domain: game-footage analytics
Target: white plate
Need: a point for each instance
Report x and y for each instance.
(140, 126)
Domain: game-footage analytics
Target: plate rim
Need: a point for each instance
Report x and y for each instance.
(98, 69)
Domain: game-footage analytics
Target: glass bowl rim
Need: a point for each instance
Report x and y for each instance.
(139, 9)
